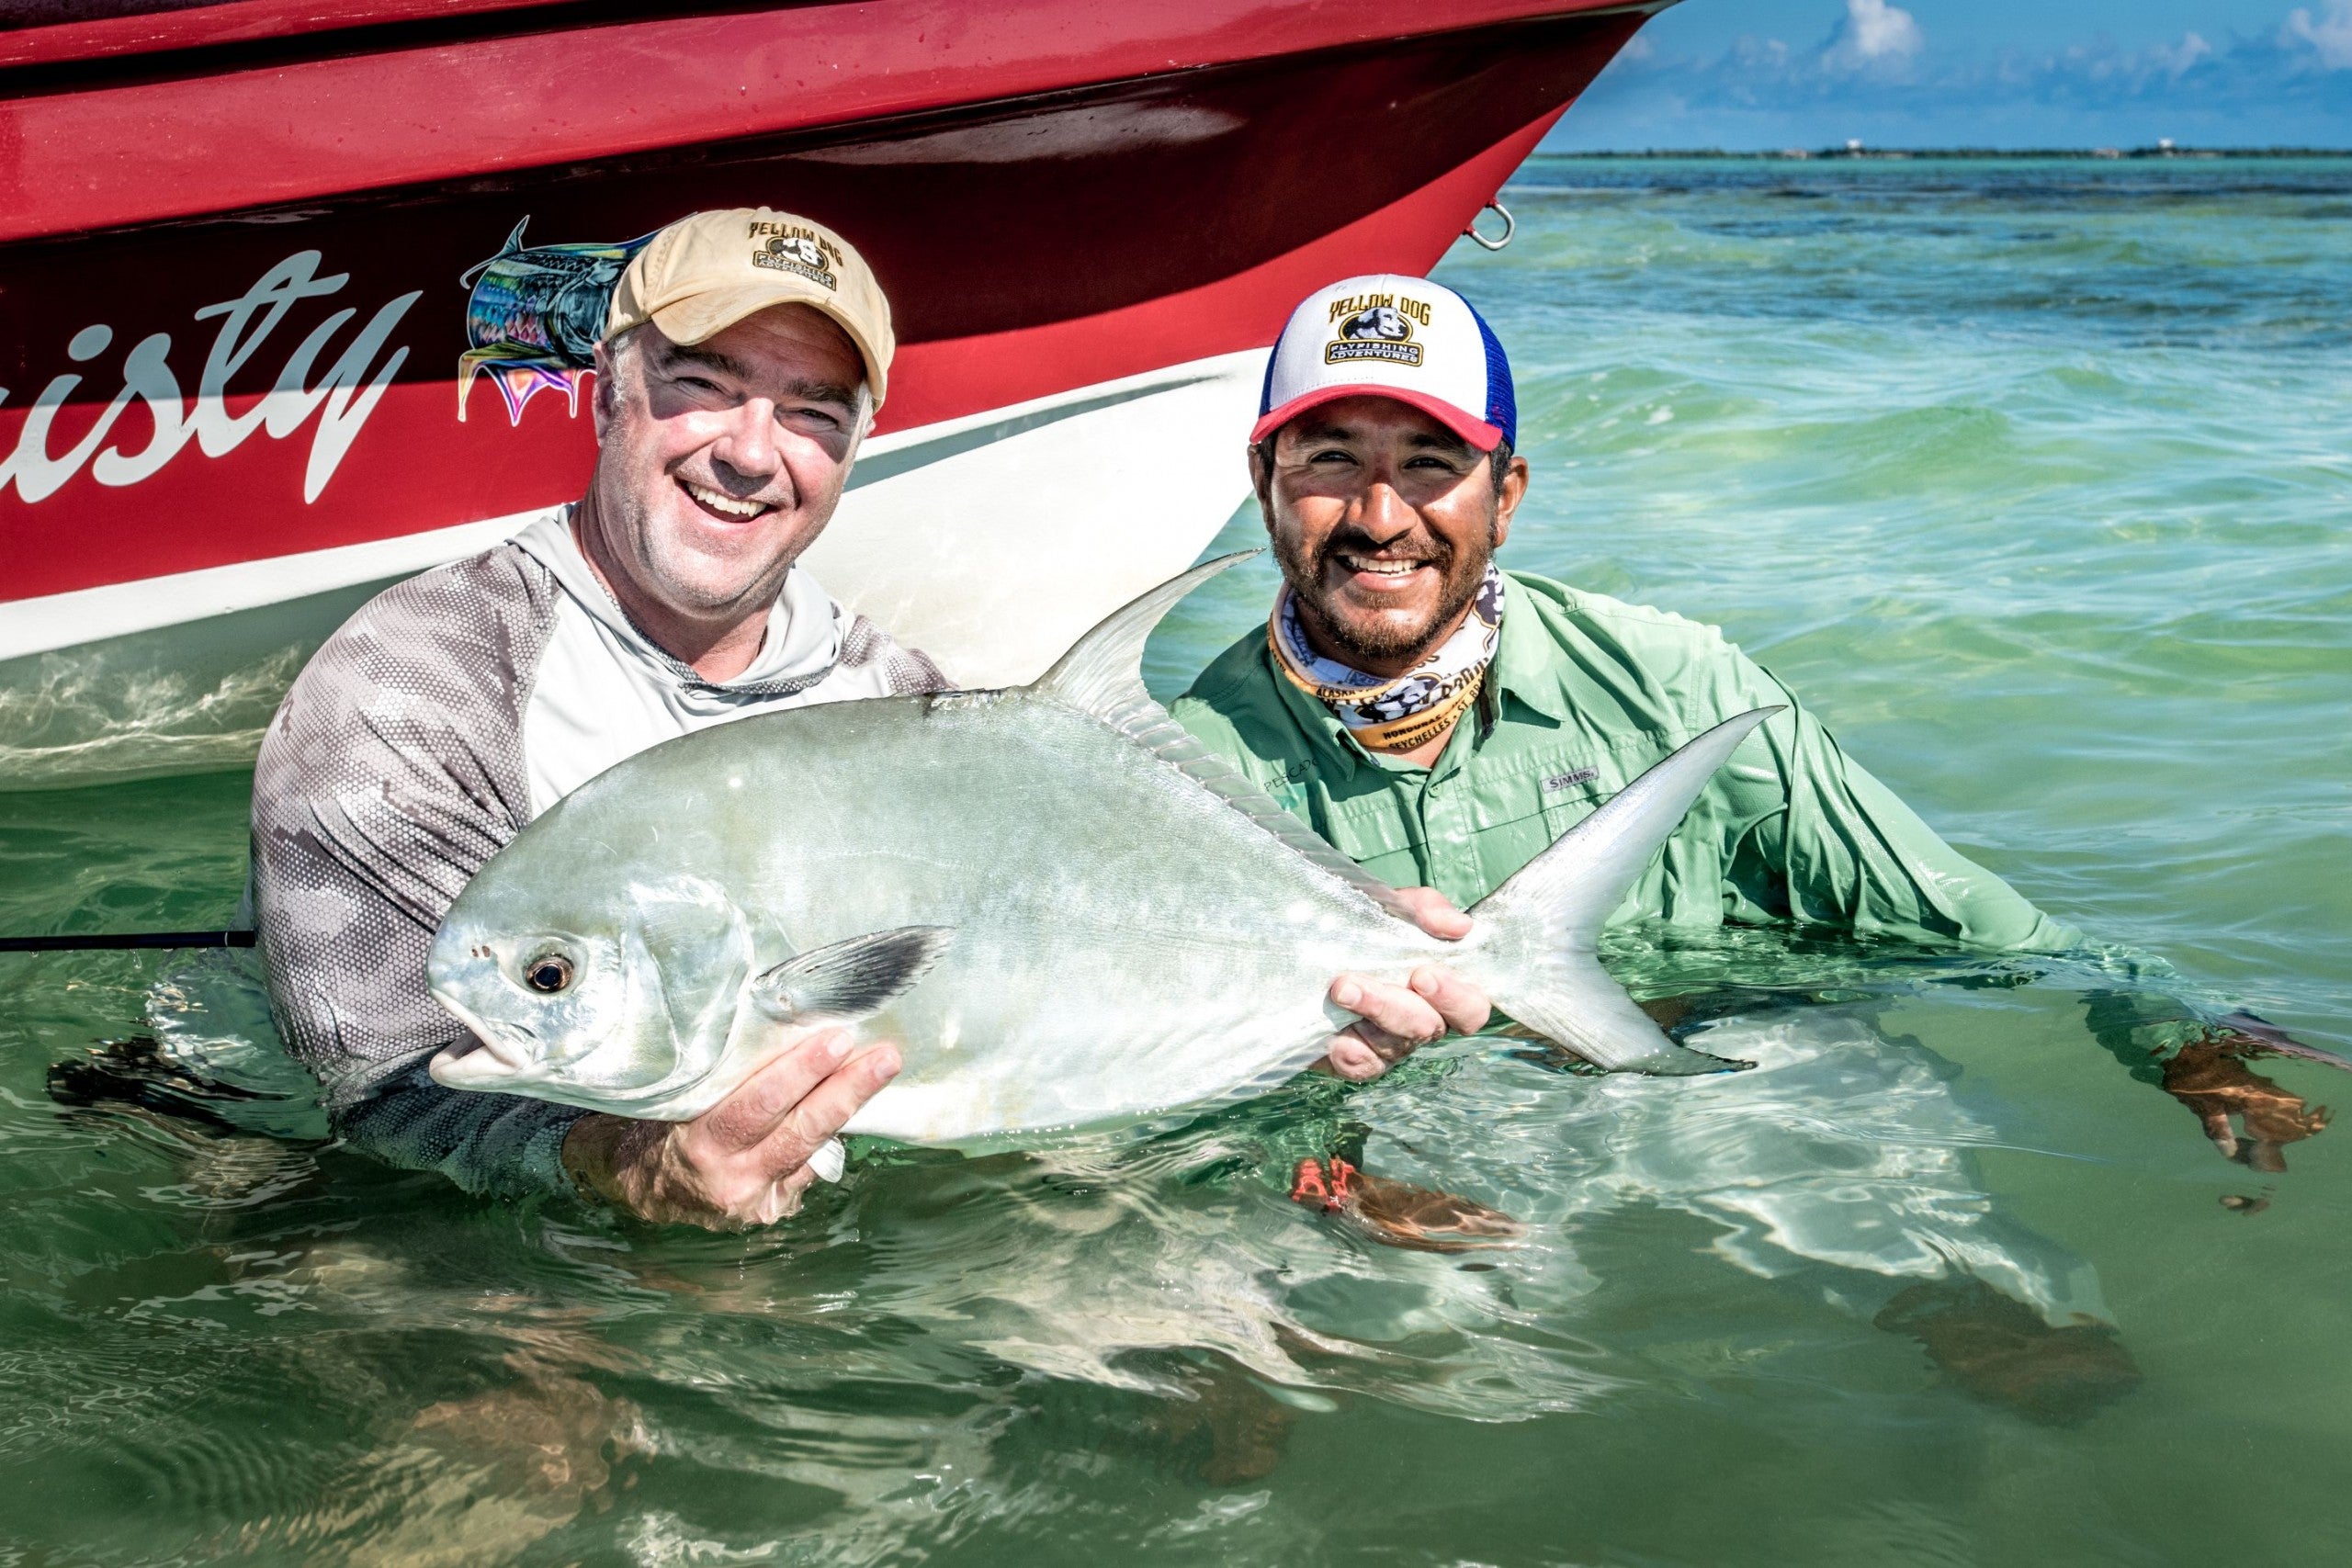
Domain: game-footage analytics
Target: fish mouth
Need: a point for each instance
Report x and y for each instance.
(504, 1053)
(488, 1053)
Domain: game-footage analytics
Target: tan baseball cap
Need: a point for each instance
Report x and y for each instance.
(705, 273)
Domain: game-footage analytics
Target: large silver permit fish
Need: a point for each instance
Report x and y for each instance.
(1066, 910)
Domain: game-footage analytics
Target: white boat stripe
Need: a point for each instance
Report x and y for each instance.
(91, 614)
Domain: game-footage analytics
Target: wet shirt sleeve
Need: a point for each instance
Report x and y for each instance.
(1826, 844)
(1791, 830)
(392, 771)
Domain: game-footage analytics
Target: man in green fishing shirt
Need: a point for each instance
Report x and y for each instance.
(1442, 721)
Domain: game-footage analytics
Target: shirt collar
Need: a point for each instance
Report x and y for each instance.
(1524, 657)
(1321, 727)
(799, 647)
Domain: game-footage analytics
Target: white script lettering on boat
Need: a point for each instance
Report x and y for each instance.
(342, 398)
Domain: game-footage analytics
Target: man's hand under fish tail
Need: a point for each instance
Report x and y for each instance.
(2212, 1078)
(743, 1162)
(1434, 1002)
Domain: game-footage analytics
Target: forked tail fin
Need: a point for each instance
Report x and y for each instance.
(1544, 923)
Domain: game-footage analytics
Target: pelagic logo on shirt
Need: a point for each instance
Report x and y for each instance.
(1376, 326)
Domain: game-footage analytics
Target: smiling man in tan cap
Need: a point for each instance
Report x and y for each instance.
(742, 359)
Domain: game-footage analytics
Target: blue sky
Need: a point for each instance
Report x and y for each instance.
(1769, 74)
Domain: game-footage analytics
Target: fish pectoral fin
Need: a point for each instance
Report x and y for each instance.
(845, 980)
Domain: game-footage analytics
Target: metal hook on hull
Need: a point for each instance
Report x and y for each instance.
(1511, 226)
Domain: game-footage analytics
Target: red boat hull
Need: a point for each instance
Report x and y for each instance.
(230, 308)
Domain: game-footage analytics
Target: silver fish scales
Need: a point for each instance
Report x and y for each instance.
(1067, 912)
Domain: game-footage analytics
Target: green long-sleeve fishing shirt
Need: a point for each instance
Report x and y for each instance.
(1585, 692)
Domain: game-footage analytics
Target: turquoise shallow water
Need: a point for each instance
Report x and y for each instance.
(2030, 476)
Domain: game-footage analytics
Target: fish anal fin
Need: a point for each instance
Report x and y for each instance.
(847, 980)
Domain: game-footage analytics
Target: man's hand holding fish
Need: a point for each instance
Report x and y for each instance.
(1434, 1000)
(747, 1159)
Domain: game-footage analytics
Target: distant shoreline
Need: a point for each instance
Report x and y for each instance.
(1898, 154)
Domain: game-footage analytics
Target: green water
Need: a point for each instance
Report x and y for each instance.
(2031, 478)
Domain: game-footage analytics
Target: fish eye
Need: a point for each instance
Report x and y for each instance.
(550, 972)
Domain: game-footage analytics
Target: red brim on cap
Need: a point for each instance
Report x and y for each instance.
(1478, 432)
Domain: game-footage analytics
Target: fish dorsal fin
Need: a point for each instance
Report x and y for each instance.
(1104, 669)
(513, 243)
(1103, 675)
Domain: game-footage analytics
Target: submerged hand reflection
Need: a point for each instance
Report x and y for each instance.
(2211, 1077)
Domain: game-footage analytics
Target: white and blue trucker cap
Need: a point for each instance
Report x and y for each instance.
(1387, 335)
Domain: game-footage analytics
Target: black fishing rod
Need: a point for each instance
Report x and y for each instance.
(76, 942)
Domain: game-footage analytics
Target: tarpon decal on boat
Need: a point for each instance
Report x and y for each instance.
(534, 316)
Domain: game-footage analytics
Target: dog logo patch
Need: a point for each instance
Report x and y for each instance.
(797, 248)
(1379, 327)
(1383, 321)
(802, 254)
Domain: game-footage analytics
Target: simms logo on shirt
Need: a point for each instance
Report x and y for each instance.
(1559, 782)
(1378, 326)
(791, 248)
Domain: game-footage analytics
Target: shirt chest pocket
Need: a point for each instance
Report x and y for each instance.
(1375, 832)
(1541, 795)
(1518, 810)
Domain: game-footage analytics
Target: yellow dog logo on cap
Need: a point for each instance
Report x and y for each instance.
(795, 252)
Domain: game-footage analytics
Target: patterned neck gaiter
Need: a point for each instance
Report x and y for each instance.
(1385, 713)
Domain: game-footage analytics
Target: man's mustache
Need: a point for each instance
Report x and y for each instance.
(1424, 552)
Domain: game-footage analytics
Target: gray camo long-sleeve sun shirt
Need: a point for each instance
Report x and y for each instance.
(444, 716)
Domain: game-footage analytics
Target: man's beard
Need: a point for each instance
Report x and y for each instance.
(1461, 572)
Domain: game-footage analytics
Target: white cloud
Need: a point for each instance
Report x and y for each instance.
(2290, 84)
(2329, 34)
(2192, 47)
(1877, 35)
